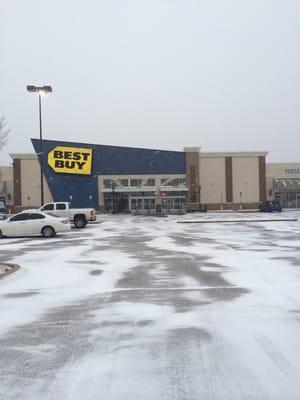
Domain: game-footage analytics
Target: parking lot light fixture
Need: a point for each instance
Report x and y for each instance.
(42, 91)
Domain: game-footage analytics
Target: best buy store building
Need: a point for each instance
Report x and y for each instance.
(135, 179)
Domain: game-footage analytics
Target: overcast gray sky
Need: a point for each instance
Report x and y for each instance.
(220, 74)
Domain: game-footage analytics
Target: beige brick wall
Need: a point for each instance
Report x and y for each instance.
(6, 173)
(212, 179)
(245, 171)
(31, 188)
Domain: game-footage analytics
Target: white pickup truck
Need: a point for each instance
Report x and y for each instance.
(79, 216)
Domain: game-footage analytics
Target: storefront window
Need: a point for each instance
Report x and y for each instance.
(107, 183)
(149, 204)
(150, 182)
(124, 182)
(135, 182)
(288, 199)
(173, 203)
(175, 182)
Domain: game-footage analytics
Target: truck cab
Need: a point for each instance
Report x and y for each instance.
(78, 216)
(62, 208)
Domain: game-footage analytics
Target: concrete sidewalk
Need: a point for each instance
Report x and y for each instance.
(228, 221)
(237, 217)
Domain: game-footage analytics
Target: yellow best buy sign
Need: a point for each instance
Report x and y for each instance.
(71, 160)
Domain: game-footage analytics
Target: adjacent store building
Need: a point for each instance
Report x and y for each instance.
(283, 183)
(124, 179)
(6, 185)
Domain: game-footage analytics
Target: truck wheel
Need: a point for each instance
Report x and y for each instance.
(80, 221)
(48, 231)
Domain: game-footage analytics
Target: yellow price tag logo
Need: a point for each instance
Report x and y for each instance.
(71, 160)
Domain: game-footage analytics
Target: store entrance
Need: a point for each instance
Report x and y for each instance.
(116, 202)
(123, 203)
(288, 199)
(142, 204)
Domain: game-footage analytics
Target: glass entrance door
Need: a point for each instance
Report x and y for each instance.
(142, 203)
(297, 200)
(116, 202)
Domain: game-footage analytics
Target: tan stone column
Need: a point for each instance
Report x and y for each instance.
(100, 197)
(262, 178)
(157, 194)
(192, 172)
(17, 182)
(228, 179)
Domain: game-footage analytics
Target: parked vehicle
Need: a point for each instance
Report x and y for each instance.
(270, 206)
(33, 223)
(79, 216)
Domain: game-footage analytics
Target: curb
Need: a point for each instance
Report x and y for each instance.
(219, 221)
(11, 268)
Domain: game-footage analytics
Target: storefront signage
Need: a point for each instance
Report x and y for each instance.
(292, 170)
(71, 160)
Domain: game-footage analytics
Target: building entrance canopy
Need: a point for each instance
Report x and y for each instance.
(287, 185)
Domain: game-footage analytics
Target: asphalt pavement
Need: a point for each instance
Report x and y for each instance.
(145, 308)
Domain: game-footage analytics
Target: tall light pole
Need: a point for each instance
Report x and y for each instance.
(42, 91)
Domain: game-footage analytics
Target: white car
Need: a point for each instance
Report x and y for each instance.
(33, 223)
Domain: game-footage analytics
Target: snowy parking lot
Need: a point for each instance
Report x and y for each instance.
(147, 308)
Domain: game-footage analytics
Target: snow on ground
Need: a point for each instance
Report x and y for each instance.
(144, 308)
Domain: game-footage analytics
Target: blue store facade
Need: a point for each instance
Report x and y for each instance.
(74, 173)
